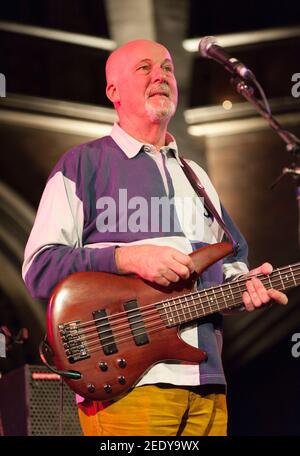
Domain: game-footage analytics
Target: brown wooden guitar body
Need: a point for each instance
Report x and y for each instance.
(106, 376)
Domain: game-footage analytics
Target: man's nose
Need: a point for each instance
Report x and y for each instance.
(159, 75)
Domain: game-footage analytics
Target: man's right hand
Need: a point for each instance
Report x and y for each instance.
(158, 264)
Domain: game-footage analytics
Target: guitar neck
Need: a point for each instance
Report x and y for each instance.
(222, 297)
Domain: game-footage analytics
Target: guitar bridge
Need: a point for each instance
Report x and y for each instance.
(73, 343)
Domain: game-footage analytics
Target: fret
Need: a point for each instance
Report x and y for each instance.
(188, 306)
(288, 280)
(200, 303)
(292, 274)
(283, 287)
(176, 309)
(168, 311)
(241, 291)
(230, 289)
(208, 301)
(183, 318)
(268, 278)
(224, 297)
(215, 300)
(193, 307)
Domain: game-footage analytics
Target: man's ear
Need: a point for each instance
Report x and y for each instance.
(112, 92)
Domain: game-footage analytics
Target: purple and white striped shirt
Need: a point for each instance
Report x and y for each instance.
(69, 232)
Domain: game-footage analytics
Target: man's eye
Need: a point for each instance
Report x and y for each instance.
(169, 68)
(144, 68)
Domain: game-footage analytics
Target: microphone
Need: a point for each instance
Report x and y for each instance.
(209, 49)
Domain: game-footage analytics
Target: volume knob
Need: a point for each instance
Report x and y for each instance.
(103, 366)
(122, 362)
(107, 388)
(121, 380)
(91, 388)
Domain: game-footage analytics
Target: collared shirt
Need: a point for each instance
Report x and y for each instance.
(131, 147)
(72, 209)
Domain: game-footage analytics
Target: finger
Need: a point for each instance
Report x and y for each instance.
(183, 259)
(247, 302)
(265, 268)
(253, 294)
(182, 271)
(191, 265)
(161, 280)
(260, 290)
(170, 275)
(277, 296)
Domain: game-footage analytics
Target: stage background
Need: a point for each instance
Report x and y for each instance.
(53, 54)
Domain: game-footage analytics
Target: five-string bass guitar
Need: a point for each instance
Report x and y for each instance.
(107, 330)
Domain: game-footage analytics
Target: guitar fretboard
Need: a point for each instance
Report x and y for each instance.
(226, 296)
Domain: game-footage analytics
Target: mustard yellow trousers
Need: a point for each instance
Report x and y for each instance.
(151, 410)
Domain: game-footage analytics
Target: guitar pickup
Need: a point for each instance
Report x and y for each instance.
(104, 331)
(136, 323)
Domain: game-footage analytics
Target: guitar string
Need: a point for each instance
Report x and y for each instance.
(212, 306)
(97, 347)
(116, 337)
(183, 309)
(219, 290)
(216, 289)
(124, 339)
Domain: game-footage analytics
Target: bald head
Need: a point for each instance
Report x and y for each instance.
(119, 57)
(141, 82)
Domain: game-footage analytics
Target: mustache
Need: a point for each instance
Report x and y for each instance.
(161, 89)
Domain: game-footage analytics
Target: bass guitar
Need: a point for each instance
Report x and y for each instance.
(110, 329)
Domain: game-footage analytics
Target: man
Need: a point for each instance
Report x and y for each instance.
(74, 231)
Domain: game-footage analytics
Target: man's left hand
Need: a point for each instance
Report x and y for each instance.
(257, 295)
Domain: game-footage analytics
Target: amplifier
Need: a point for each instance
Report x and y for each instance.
(30, 404)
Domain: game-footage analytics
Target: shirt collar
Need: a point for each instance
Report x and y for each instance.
(131, 146)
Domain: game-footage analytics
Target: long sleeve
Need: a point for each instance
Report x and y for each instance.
(54, 249)
(235, 265)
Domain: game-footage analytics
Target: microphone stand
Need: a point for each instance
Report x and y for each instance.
(291, 141)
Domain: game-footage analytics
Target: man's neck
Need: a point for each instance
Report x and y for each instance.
(149, 133)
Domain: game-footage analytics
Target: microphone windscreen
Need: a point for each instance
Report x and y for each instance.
(205, 44)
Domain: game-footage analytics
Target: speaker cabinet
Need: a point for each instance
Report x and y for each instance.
(30, 404)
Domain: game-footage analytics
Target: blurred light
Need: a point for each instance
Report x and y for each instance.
(236, 126)
(59, 35)
(57, 124)
(246, 38)
(227, 105)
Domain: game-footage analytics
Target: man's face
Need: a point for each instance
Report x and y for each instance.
(145, 82)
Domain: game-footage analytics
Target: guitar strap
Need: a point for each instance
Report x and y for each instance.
(201, 192)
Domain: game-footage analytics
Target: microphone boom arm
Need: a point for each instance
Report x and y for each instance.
(292, 141)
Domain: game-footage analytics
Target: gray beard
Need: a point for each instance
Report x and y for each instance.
(161, 113)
